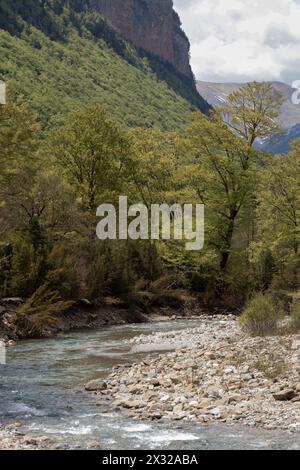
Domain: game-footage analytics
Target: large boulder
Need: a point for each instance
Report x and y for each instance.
(95, 386)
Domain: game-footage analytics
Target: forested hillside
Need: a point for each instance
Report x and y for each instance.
(61, 55)
(88, 120)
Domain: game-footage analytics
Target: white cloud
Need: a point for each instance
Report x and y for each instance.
(241, 40)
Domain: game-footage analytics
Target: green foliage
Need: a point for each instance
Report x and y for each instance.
(40, 313)
(221, 173)
(64, 274)
(252, 110)
(61, 57)
(97, 277)
(279, 205)
(165, 291)
(93, 152)
(182, 84)
(261, 316)
(50, 188)
(27, 266)
(18, 137)
(156, 154)
(5, 267)
(109, 271)
(294, 324)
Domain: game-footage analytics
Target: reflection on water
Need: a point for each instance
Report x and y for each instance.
(42, 386)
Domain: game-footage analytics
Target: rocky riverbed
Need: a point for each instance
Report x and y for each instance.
(215, 373)
(12, 437)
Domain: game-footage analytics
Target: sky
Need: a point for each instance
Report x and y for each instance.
(243, 40)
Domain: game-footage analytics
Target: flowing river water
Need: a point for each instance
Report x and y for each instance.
(42, 386)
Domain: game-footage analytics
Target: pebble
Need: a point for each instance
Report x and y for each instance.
(12, 438)
(220, 374)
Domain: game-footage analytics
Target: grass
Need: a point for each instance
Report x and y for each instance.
(262, 316)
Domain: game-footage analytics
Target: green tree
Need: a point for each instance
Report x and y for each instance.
(151, 182)
(252, 111)
(224, 148)
(279, 204)
(93, 152)
(221, 172)
(156, 155)
(18, 138)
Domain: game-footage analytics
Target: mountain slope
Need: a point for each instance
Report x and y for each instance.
(282, 144)
(216, 94)
(61, 54)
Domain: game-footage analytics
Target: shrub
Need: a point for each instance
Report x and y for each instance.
(97, 278)
(43, 310)
(39, 314)
(261, 316)
(294, 325)
(28, 267)
(64, 273)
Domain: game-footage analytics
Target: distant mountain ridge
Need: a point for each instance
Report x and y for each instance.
(216, 94)
(282, 144)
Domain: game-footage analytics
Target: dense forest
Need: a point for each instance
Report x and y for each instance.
(51, 187)
(60, 55)
(89, 118)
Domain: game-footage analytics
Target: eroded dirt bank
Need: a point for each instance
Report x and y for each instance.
(81, 316)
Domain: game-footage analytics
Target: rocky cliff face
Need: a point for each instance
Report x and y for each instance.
(152, 25)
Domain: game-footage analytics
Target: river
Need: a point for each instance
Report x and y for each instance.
(42, 386)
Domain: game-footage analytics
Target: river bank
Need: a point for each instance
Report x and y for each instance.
(81, 316)
(84, 315)
(215, 374)
(42, 390)
(55, 413)
(13, 437)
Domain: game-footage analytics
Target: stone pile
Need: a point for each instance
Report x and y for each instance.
(219, 375)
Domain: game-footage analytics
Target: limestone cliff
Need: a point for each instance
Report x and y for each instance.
(152, 25)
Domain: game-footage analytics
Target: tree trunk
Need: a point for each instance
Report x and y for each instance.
(228, 241)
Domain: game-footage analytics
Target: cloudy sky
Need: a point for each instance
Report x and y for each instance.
(242, 40)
